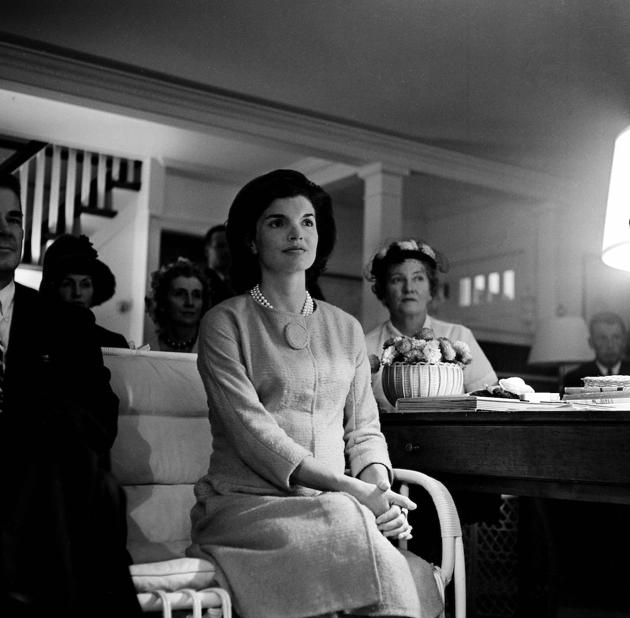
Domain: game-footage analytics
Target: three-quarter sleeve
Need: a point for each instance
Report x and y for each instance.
(365, 443)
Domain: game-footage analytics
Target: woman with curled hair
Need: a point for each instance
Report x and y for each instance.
(404, 277)
(180, 296)
(291, 407)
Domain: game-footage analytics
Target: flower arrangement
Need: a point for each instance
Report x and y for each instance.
(424, 347)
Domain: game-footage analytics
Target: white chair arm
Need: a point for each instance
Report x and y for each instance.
(453, 564)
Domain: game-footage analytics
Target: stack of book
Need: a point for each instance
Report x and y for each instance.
(617, 398)
(472, 403)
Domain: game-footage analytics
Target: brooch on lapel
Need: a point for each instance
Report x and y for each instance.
(296, 335)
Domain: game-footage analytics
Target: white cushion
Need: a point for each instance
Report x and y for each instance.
(159, 383)
(171, 575)
(161, 449)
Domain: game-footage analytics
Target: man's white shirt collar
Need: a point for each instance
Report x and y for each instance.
(604, 370)
(7, 296)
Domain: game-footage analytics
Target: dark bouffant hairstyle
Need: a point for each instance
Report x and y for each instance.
(397, 252)
(160, 282)
(249, 204)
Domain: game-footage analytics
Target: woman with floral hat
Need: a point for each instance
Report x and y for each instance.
(404, 277)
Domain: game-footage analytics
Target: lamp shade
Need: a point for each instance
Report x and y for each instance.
(616, 239)
(561, 340)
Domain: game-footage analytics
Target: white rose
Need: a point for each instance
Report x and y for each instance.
(427, 250)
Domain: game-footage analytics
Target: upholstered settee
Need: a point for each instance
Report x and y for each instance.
(162, 449)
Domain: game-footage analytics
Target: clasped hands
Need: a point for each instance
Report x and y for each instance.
(390, 509)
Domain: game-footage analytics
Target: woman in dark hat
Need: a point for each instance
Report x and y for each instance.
(73, 273)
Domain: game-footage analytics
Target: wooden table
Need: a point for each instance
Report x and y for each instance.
(576, 455)
(582, 456)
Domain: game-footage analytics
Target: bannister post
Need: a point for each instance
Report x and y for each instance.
(38, 206)
(71, 188)
(54, 190)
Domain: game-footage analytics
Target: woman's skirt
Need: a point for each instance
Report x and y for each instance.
(293, 557)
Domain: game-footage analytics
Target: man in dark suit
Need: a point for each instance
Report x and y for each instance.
(217, 267)
(608, 338)
(62, 542)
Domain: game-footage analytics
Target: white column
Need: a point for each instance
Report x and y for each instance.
(382, 221)
(549, 284)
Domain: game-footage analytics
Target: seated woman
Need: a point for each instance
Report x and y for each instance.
(405, 279)
(73, 273)
(180, 295)
(288, 385)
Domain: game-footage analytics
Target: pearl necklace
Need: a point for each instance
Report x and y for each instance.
(179, 346)
(259, 297)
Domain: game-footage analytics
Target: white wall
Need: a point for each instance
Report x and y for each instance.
(122, 244)
(195, 201)
(495, 237)
(346, 258)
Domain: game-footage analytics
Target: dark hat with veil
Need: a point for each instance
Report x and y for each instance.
(75, 255)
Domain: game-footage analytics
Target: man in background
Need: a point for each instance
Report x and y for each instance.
(62, 531)
(218, 262)
(608, 338)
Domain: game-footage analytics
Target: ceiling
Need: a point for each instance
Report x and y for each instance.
(541, 84)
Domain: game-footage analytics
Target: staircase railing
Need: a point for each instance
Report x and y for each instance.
(59, 183)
